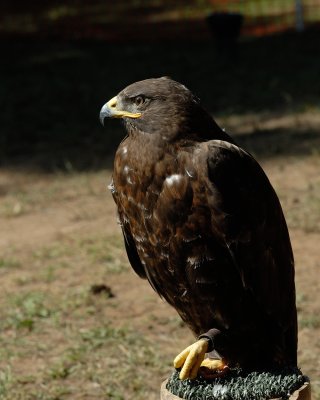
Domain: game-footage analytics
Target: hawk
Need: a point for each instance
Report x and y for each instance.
(202, 223)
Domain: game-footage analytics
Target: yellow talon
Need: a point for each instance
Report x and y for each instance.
(191, 359)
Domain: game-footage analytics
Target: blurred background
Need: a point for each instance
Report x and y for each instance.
(76, 323)
(61, 60)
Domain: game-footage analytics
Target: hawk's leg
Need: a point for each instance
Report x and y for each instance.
(213, 366)
(192, 359)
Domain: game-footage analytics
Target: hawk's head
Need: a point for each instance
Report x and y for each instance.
(159, 106)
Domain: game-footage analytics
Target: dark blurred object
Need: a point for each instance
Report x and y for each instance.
(226, 28)
(98, 289)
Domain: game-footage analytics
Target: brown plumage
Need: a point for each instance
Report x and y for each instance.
(203, 224)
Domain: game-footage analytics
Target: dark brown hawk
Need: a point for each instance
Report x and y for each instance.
(202, 223)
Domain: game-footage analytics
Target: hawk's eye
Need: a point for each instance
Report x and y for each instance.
(139, 100)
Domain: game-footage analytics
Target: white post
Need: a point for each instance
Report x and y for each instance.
(299, 16)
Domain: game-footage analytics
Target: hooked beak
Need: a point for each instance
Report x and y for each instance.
(109, 110)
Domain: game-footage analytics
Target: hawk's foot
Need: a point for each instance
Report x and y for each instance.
(190, 359)
(211, 368)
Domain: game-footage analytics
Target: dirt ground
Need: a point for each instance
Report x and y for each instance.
(63, 338)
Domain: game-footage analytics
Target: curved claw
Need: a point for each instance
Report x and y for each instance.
(212, 368)
(190, 359)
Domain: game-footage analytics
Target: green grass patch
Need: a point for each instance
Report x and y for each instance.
(26, 310)
(309, 322)
(5, 381)
(9, 263)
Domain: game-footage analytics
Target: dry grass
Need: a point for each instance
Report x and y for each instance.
(59, 237)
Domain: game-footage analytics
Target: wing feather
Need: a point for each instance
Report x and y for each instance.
(254, 229)
(132, 253)
(129, 242)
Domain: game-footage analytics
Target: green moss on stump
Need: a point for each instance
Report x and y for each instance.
(239, 385)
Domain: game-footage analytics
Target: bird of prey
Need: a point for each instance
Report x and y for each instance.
(202, 223)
